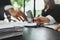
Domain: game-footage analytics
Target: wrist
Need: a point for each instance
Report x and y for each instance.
(47, 20)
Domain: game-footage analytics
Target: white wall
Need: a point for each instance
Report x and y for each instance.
(57, 1)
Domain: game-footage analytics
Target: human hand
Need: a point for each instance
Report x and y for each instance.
(41, 20)
(58, 28)
(18, 14)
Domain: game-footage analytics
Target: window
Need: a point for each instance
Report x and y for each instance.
(39, 5)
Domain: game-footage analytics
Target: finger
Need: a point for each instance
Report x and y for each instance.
(36, 18)
(17, 18)
(38, 22)
(25, 18)
(23, 15)
(59, 30)
(21, 18)
(57, 27)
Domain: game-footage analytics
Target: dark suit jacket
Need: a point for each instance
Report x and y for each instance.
(54, 12)
(2, 4)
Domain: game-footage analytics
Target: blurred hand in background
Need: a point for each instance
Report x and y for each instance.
(40, 20)
(18, 14)
(58, 27)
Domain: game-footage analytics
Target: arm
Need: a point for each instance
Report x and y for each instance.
(41, 20)
(17, 14)
(58, 27)
(48, 19)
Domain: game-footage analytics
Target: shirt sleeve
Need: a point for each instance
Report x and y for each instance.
(8, 7)
(52, 20)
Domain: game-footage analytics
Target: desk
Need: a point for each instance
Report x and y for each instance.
(10, 32)
(8, 29)
(41, 33)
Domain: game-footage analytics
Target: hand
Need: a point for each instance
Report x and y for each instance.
(58, 27)
(42, 20)
(18, 14)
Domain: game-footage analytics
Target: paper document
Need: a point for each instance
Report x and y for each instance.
(14, 24)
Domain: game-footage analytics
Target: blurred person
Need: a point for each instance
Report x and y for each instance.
(50, 14)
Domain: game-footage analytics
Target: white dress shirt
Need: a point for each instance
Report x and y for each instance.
(52, 20)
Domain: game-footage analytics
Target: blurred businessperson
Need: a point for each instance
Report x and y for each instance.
(50, 13)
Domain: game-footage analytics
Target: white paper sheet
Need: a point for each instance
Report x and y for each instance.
(9, 25)
(4, 24)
